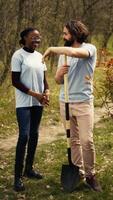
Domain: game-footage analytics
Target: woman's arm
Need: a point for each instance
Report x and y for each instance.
(20, 86)
(17, 83)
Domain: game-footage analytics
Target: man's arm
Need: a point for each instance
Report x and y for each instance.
(46, 86)
(69, 51)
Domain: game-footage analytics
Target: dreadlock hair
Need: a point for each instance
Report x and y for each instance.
(78, 30)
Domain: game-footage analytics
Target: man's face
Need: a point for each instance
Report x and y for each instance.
(68, 40)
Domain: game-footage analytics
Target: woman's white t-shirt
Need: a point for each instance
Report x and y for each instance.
(32, 75)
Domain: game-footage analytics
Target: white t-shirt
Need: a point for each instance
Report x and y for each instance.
(80, 75)
(32, 75)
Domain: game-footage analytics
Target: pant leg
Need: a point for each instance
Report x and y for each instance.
(76, 152)
(23, 118)
(85, 120)
(36, 114)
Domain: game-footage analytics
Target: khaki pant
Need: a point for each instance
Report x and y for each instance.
(81, 133)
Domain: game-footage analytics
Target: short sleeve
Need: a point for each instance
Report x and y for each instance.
(16, 63)
(91, 49)
(61, 61)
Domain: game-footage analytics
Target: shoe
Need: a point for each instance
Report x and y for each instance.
(82, 176)
(18, 185)
(33, 174)
(92, 182)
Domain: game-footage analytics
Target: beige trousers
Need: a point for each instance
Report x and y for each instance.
(81, 134)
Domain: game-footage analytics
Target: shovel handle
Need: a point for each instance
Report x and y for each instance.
(67, 113)
(66, 83)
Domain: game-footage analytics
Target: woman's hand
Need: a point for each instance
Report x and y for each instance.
(42, 98)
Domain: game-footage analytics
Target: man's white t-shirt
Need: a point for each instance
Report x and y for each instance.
(80, 75)
(32, 75)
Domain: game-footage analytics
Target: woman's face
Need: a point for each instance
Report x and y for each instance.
(32, 40)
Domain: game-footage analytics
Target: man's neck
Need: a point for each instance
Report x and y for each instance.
(76, 44)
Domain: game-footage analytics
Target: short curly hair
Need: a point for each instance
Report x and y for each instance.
(24, 33)
(78, 30)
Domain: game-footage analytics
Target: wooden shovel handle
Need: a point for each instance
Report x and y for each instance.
(67, 114)
(66, 83)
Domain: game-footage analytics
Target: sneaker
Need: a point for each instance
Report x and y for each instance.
(33, 174)
(92, 182)
(18, 185)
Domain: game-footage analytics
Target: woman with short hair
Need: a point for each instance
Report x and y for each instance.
(31, 93)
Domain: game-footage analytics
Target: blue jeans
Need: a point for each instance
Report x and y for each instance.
(28, 121)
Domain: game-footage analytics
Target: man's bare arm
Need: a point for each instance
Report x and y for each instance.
(69, 51)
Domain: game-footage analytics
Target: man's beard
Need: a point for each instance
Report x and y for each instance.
(68, 43)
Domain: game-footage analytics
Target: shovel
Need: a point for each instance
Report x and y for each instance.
(70, 173)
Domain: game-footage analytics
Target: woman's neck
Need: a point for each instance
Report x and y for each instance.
(28, 49)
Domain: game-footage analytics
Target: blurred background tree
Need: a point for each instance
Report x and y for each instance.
(49, 17)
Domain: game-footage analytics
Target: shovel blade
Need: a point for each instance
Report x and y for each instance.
(69, 177)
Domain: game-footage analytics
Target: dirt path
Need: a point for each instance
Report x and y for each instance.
(47, 134)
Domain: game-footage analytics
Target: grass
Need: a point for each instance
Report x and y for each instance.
(99, 79)
(49, 159)
(7, 110)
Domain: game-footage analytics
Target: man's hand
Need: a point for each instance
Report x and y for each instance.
(46, 54)
(63, 70)
(60, 73)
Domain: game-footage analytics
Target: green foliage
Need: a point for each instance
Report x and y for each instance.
(109, 79)
(7, 110)
(99, 88)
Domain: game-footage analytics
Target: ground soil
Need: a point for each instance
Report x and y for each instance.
(48, 133)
